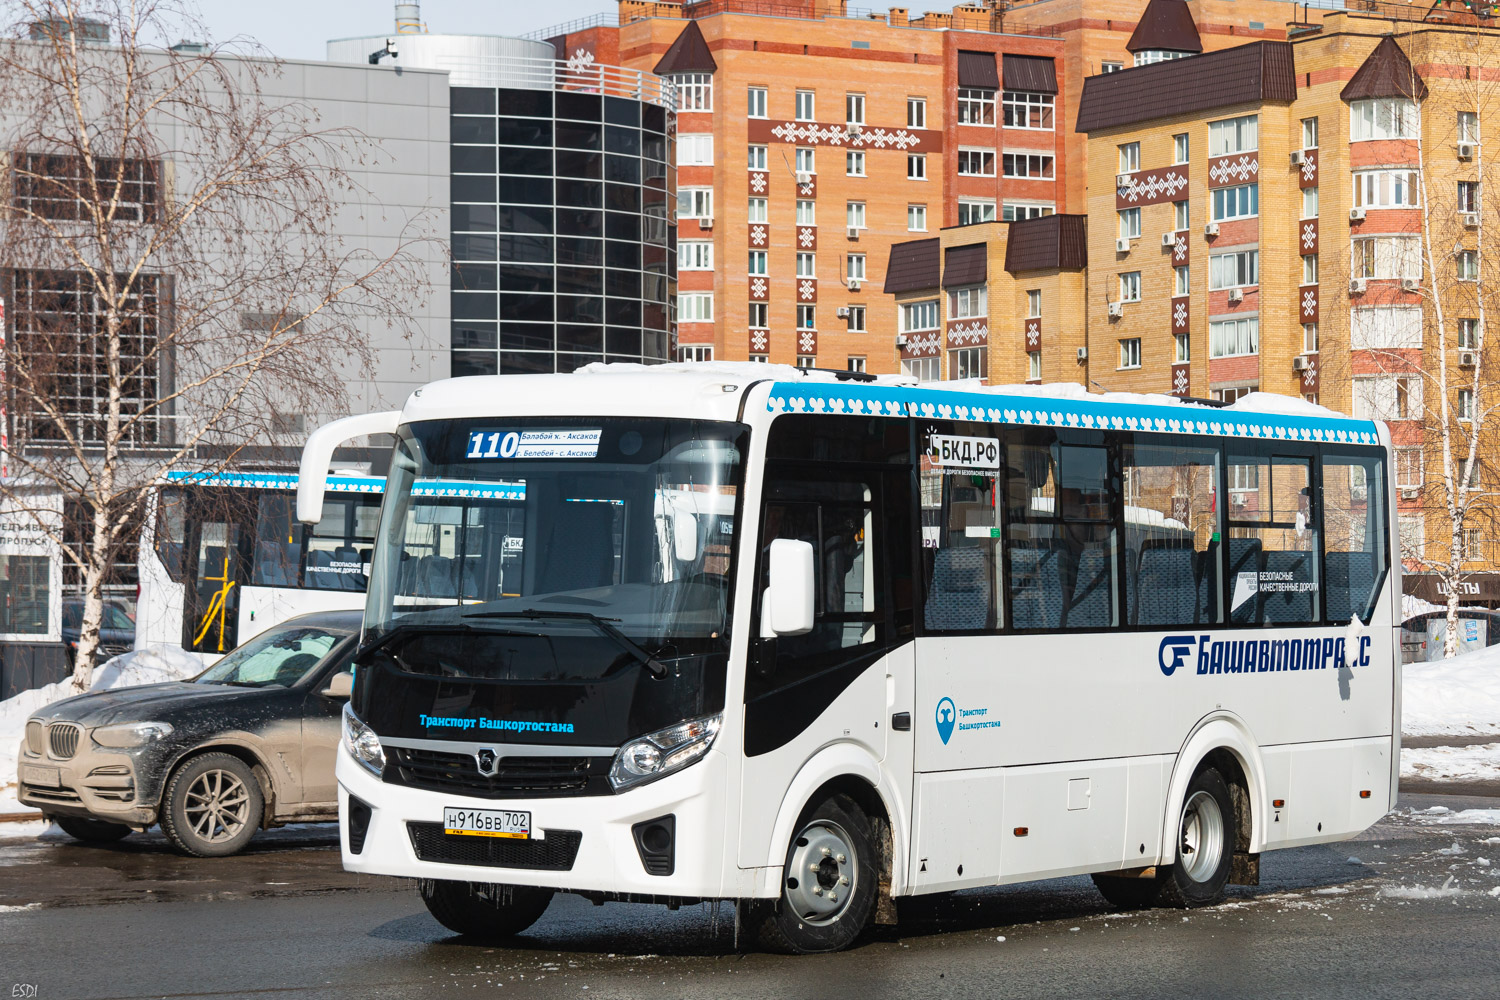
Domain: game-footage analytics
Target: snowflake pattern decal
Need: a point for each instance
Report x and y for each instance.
(808, 190)
(1180, 249)
(758, 183)
(1033, 334)
(964, 334)
(1180, 380)
(813, 134)
(807, 342)
(1309, 167)
(1310, 303)
(758, 236)
(1246, 168)
(580, 60)
(759, 341)
(1179, 314)
(758, 288)
(807, 237)
(1309, 237)
(1152, 188)
(922, 345)
(807, 290)
(1310, 377)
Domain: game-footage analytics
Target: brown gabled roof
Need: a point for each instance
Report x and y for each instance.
(1261, 72)
(977, 69)
(1037, 74)
(689, 54)
(1165, 24)
(1387, 72)
(913, 267)
(1051, 241)
(968, 265)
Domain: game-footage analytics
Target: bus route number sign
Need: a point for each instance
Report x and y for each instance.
(953, 452)
(533, 444)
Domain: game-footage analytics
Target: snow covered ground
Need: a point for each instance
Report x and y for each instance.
(1478, 762)
(1455, 697)
(129, 670)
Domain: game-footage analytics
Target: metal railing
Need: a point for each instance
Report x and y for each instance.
(600, 20)
(1454, 12)
(576, 75)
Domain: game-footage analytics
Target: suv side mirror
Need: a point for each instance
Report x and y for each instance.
(786, 606)
(340, 685)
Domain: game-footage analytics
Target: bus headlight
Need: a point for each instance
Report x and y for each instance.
(662, 752)
(362, 743)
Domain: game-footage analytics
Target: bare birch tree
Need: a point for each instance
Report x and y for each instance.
(178, 282)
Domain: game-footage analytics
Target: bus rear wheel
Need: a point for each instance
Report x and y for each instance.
(829, 883)
(481, 910)
(1205, 844)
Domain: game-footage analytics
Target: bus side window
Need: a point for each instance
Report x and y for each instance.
(1354, 534)
(961, 540)
(278, 543)
(1273, 537)
(1171, 534)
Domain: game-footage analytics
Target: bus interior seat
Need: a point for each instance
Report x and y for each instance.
(1351, 577)
(1289, 605)
(435, 577)
(960, 597)
(1036, 585)
(1091, 602)
(1165, 586)
(273, 561)
(349, 555)
(319, 573)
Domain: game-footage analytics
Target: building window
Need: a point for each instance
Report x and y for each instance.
(854, 111)
(1310, 203)
(695, 352)
(916, 218)
(1387, 397)
(807, 317)
(695, 91)
(1033, 303)
(807, 265)
(1468, 265)
(967, 362)
(1014, 211)
(1385, 189)
(805, 160)
(916, 166)
(1309, 133)
(756, 102)
(1182, 348)
(1385, 257)
(58, 187)
(856, 363)
(756, 210)
(854, 214)
(1241, 476)
(919, 317)
(1030, 165)
(1180, 284)
(695, 150)
(1130, 223)
(854, 267)
(695, 255)
(805, 106)
(1468, 126)
(968, 303)
(1130, 353)
(807, 212)
(972, 210)
(1111, 67)
(1466, 404)
(1130, 157)
(1234, 135)
(854, 163)
(1468, 334)
(976, 106)
(857, 320)
(757, 262)
(1033, 365)
(1468, 196)
(1027, 110)
(1383, 328)
(756, 158)
(1130, 286)
(1180, 216)
(695, 203)
(1233, 337)
(807, 361)
(1233, 270)
(921, 369)
(1310, 269)
(695, 307)
(1239, 202)
(758, 316)
(1382, 118)
(761, 358)
(1180, 148)
(1147, 57)
(1309, 338)
(916, 112)
(973, 162)
(1409, 469)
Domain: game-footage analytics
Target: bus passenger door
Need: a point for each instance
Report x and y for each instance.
(216, 554)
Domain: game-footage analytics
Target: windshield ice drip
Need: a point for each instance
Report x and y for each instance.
(280, 657)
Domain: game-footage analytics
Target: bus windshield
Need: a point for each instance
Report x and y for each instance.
(598, 525)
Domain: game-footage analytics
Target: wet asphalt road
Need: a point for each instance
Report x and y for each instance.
(1407, 910)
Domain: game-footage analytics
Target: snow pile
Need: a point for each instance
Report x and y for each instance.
(1412, 605)
(1444, 891)
(1469, 763)
(1454, 697)
(141, 666)
(1465, 817)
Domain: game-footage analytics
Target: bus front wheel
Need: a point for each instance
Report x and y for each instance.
(829, 884)
(483, 911)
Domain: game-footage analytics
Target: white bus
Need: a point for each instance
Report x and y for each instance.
(222, 556)
(949, 637)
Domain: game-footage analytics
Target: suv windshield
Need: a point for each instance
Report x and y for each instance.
(280, 657)
(595, 525)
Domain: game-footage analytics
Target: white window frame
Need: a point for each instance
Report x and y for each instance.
(1385, 328)
(695, 91)
(968, 362)
(756, 158)
(1181, 216)
(695, 307)
(695, 255)
(1181, 148)
(1033, 303)
(759, 311)
(856, 322)
(1465, 405)
(805, 106)
(969, 302)
(916, 218)
(920, 316)
(695, 352)
(1466, 265)
(756, 102)
(1469, 196)
(1129, 223)
(1130, 286)
(1386, 188)
(1383, 118)
(1234, 337)
(854, 163)
(976, 161)
(922, 369)
(695, 149)
(1468, 334)
(1022, 106)
(1129, 157)
(1310, 269)
(1385, 257)
(854, 109)
(1310, 203)
(757, 210)
(1181, 280)
(1240, 201)
(1309, 338)
(1130, 353)
(1386, 397)
(1309, 133)
(854, 267)
(856, 363)
(976, 106)
(916, 166)
(807, 264)
(1467, 125)
(756, 263)
(1182, 348)
(975, 210)
(854, 215)
(1019, 211)
(805, 160)
(1235, 269)
(807, 316)
(700, 202)
(1406, 457)
(916, 112)
(1033, 366)
(1240, 134)
(1044, 164)
(807, 212)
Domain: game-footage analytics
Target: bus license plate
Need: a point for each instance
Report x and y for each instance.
(487, 823)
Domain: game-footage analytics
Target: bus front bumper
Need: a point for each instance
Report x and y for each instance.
(583, 843)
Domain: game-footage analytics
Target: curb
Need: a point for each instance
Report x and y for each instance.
(20, 817)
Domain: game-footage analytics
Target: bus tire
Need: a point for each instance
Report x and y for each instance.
(829, 883)
(1205, 844)
(483, 911)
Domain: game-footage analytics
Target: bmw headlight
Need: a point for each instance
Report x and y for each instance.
(131, 734)
(362, 743)
(662, 752)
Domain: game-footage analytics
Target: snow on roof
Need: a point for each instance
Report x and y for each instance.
(745, 370)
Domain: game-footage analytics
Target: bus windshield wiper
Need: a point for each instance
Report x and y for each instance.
(646, 658)
(399, 628)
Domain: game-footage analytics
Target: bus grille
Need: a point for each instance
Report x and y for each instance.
(555, 853)
(514, 777)
(64, 739)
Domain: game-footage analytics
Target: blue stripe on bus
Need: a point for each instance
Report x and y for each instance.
(1042, 411)
(350, 484)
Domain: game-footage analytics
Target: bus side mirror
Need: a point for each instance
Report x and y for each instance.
(684, 536)
(786, 607)
(340, 685)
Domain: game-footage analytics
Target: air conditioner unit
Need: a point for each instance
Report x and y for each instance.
(1356, 215)
(1122, 245)
(1236, 295)
(1297, 157)
(900, 340)
(1468, 359)
(1357, 286)
(1083, 352)
(1169, 240)
(1471, 219)
(1116, 310)
(1123, 180)
(853, 285)
(854, 232)
(1212, 229)
(707, 222)
(1239, 499)
(842, 312)
(853, 128)
(804, 177)
(1410, 284)
(1301, 363)
(1466, 151)
(1410, 492)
